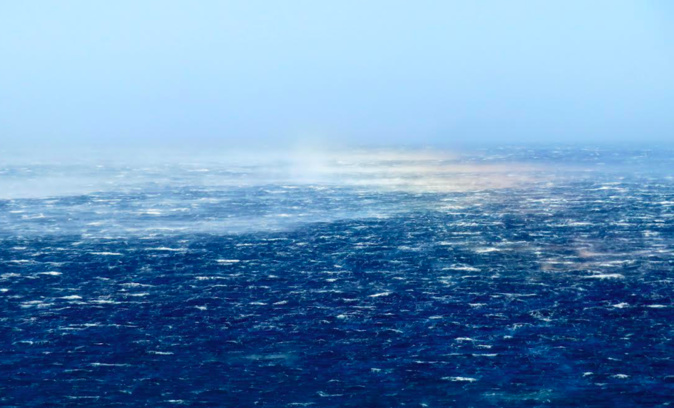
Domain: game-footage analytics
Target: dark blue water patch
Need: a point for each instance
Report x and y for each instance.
(491, 307)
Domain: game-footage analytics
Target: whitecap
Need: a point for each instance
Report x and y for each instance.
(227, 261)
(606, 276)
(460, 379)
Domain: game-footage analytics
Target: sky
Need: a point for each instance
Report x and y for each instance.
(381, 72)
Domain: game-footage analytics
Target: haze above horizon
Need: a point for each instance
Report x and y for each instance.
(79, 72)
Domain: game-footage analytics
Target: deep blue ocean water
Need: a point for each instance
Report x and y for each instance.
(558, 291)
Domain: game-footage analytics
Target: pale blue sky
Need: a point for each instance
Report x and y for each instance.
(362, 71)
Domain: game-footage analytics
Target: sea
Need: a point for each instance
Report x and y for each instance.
(513, 276)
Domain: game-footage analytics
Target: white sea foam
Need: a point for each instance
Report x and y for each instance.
(461, 268)
(606, 276)
(460, 379)
(135, 285)
(167, 249)
(487, 250)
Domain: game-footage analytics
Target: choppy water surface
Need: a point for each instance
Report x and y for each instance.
(388, 281)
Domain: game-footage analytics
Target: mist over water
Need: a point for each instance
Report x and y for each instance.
(159, 191)
(221, 192)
